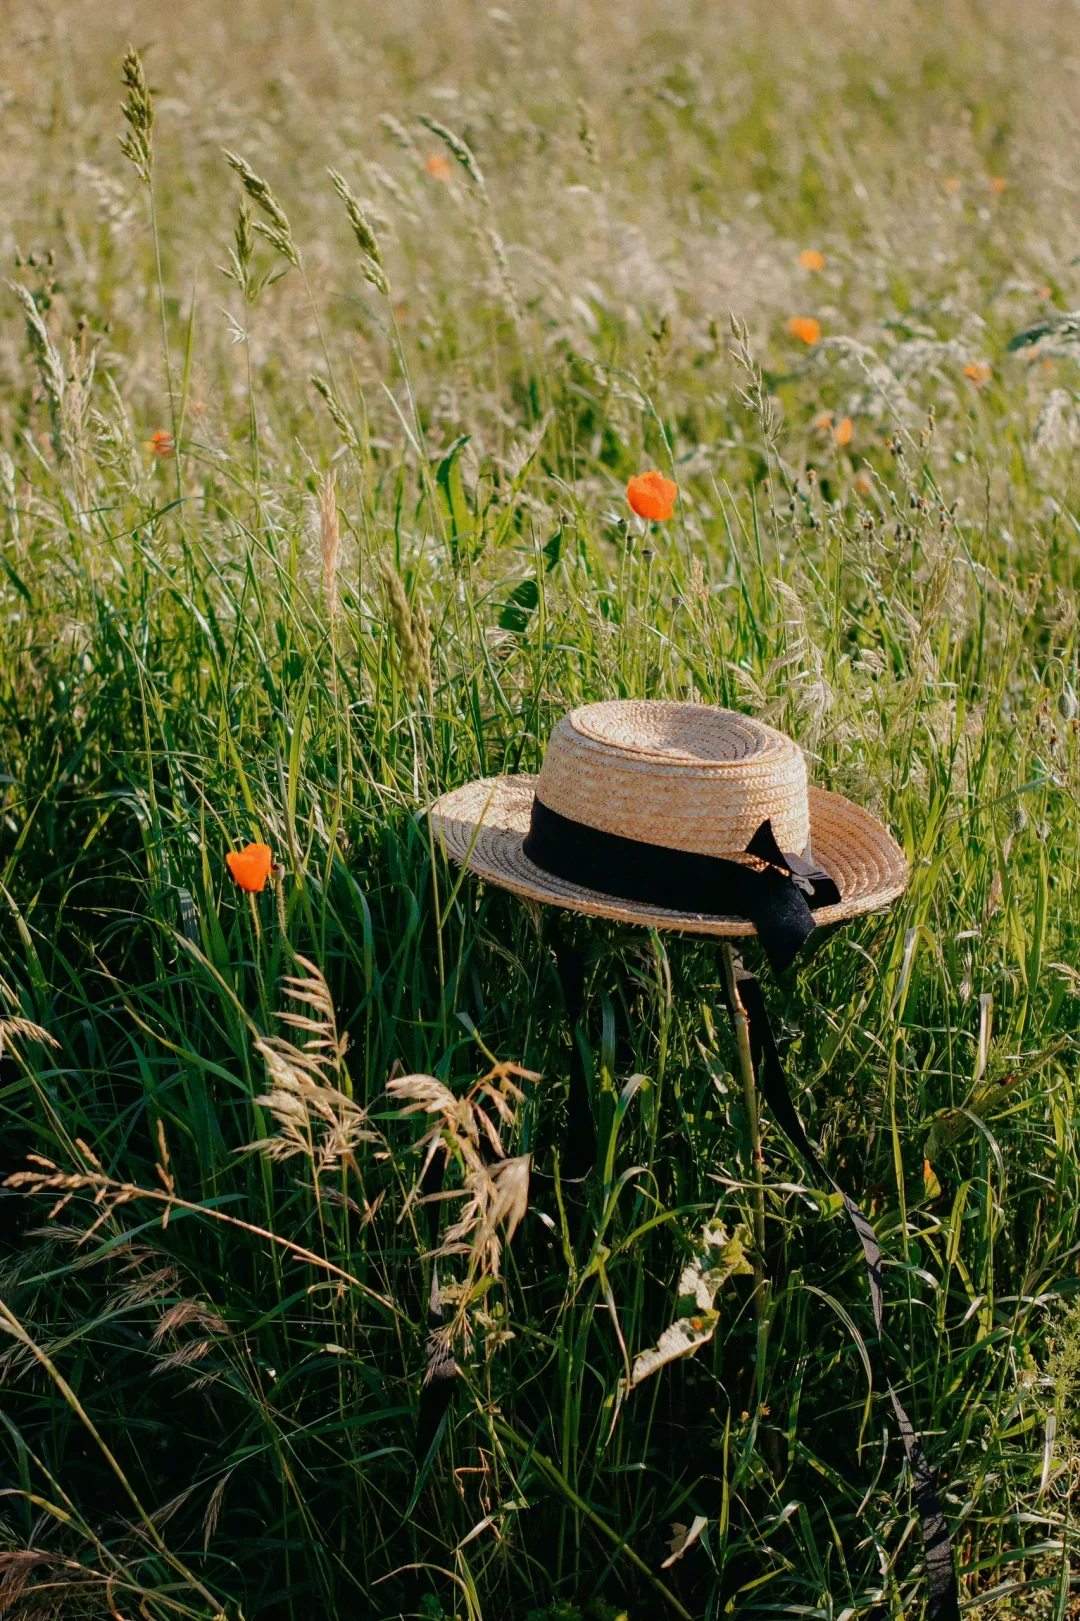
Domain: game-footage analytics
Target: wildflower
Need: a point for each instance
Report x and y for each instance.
(804, 327)
(250, 866)
(998, 183)
(843, 431)
(811, 259)
(1046, 292)
(652, 496)
(979, 371)
(863, 481)
(822, 422)
(438, 167)
(160, 443)
(952, 185)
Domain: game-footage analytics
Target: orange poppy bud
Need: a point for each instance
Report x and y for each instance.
(652, 496)
(979, 372)
(804, 327)
(438, 166)
(811, 259)
(843, 431)
(161, 443)
(250, 866)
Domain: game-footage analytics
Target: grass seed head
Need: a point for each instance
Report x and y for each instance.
(337, 412)
(137, 143)
(461, 151)
(410, 631)
(278, 232)
(365, 236)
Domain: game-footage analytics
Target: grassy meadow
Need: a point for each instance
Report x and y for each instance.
(311, 507)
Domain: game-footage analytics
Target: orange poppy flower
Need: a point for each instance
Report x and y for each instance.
(952, 186)
(250, 866)
(804, 327)
(811, 259)
(652, 496)
(822, 422)
(998, 183)
(161, 443)
(979, 372)
(438, 167)
(863, 481)
(843, 431)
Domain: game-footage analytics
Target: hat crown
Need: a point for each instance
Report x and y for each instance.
(683, 776)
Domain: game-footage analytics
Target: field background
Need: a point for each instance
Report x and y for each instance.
(225, 643)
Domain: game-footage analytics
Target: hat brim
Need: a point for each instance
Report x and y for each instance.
(483, 826)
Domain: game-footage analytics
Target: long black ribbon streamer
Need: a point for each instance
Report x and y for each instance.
(579, 1155)
(943, 1603)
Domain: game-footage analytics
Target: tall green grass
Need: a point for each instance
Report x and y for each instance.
(216, 1413)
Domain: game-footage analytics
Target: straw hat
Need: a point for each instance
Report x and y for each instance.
(642, 803)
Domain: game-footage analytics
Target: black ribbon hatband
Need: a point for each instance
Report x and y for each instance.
(779, 898)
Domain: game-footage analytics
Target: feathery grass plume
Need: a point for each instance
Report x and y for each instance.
(754, 396)
(506, 280)
(49, 365)
(401, 137)
(458, 147)
(365, 236)
(412, 636)
(7, 498)
(329, 542)
(241, 254)
(18, 1028)
(386, 180)
(310, 1091)
(337, 413)
(278, 232)
(466, 1130)
(137, 144)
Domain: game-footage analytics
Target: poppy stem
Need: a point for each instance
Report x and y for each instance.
(750, 1099)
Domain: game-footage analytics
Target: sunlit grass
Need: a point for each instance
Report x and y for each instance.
(359, 534)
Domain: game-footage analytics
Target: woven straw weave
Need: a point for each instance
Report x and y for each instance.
(682, 775)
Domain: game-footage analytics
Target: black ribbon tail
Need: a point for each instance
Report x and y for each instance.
(579, 1154)
(943, 1601)
(784, 922)
(778, 905)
